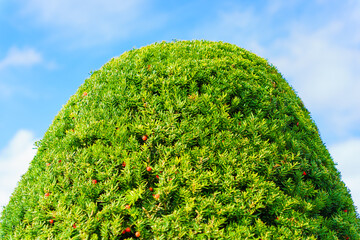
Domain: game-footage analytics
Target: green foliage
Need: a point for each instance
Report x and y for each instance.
(234, 154)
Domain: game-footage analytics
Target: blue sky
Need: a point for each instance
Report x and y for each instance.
(49, 47)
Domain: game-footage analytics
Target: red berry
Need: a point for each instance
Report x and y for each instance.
(51, 221)
(47, 194)
(123, 164)
(123, 232)
(84, 94)
(157, 196)
(157, 176)
(127, 206)
(74, 225)
(304, 173)
(148, 169)
(144, 137)
(94, 181)
(297, 124)
(345, 210)
(48, 164)
(59, 161)
(151, 189)
(137, 234)
(128, 229)
(170, 179)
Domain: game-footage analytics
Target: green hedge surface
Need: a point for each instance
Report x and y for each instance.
(182, 140)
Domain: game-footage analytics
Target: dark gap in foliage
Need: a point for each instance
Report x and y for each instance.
(267, 216)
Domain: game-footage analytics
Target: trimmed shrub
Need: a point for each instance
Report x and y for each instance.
(182, 140)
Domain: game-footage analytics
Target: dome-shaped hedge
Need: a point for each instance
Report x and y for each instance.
(182, 140)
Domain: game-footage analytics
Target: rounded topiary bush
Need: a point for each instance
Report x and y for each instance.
(182, 140)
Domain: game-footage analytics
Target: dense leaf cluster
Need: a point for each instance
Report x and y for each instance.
(182, 140)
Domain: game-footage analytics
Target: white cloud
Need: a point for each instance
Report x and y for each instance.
(21, 58)
(14, 162)
(324, 72)
(347, 155)
(93, 20)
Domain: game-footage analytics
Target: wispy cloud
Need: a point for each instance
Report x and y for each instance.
(325, 73)
(14, 162)
(21, 58)
(347, 155)
(92, 21)
(316, 61)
